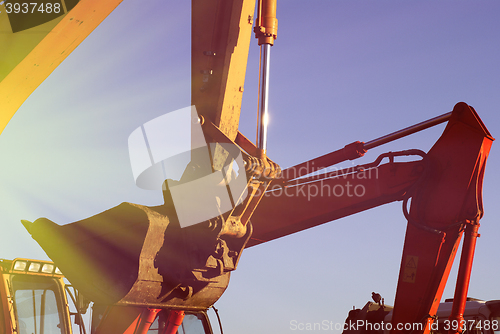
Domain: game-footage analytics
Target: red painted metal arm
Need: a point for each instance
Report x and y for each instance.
(135, 320)
(313, 201)
(174, 320)
(445, 191)
(126, 320)
(445, 201)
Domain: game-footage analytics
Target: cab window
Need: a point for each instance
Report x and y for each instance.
(193, 323)
(37, 303)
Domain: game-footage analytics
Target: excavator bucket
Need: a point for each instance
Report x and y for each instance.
(140, 256)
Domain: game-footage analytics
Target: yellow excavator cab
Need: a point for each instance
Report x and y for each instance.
(32, 298)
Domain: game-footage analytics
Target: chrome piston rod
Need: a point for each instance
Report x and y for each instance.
(265, 57)
(407, 131)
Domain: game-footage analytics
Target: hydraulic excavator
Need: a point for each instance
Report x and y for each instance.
(138, 263)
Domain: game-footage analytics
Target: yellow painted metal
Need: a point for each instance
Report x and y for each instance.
(15, 47)
(6, 325)
(220, 40)
(64, 35)
(221, 32)
(6, 310)
(8, 314)
(266, 26)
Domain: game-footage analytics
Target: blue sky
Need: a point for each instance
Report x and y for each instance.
(340, 71)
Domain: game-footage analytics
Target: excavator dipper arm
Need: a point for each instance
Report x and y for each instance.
(444, 189)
